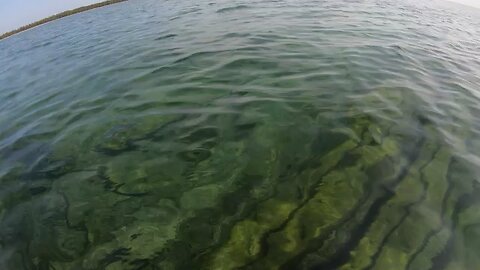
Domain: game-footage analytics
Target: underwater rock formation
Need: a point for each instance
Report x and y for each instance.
(368, 195)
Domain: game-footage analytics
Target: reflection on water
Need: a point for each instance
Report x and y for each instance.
(243, 135)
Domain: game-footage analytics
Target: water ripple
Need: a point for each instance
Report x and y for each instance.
(243, 134)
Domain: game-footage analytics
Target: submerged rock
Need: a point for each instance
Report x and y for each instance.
(201, 134)
(326, 141)
(195, 155)
(51, 167)
(116, 140)
(201, 197)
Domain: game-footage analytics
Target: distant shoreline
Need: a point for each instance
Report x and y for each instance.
(58, 16)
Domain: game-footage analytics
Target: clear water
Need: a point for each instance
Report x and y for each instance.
(243, 135)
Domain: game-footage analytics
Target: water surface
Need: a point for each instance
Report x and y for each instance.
(243, 135)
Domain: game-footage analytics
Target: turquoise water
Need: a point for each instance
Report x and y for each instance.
(243, 135)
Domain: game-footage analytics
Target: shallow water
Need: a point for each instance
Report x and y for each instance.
(243, 135)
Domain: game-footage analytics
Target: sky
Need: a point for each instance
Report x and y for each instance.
(473, 3)
(16, 13)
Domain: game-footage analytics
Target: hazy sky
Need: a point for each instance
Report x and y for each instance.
(474, 3)
(16, 13)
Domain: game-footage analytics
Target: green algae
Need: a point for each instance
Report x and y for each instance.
(160, 195)
(204, 164)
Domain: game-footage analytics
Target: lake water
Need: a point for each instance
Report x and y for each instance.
(243, 135)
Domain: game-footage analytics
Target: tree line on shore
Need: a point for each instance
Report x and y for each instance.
(58, 16)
